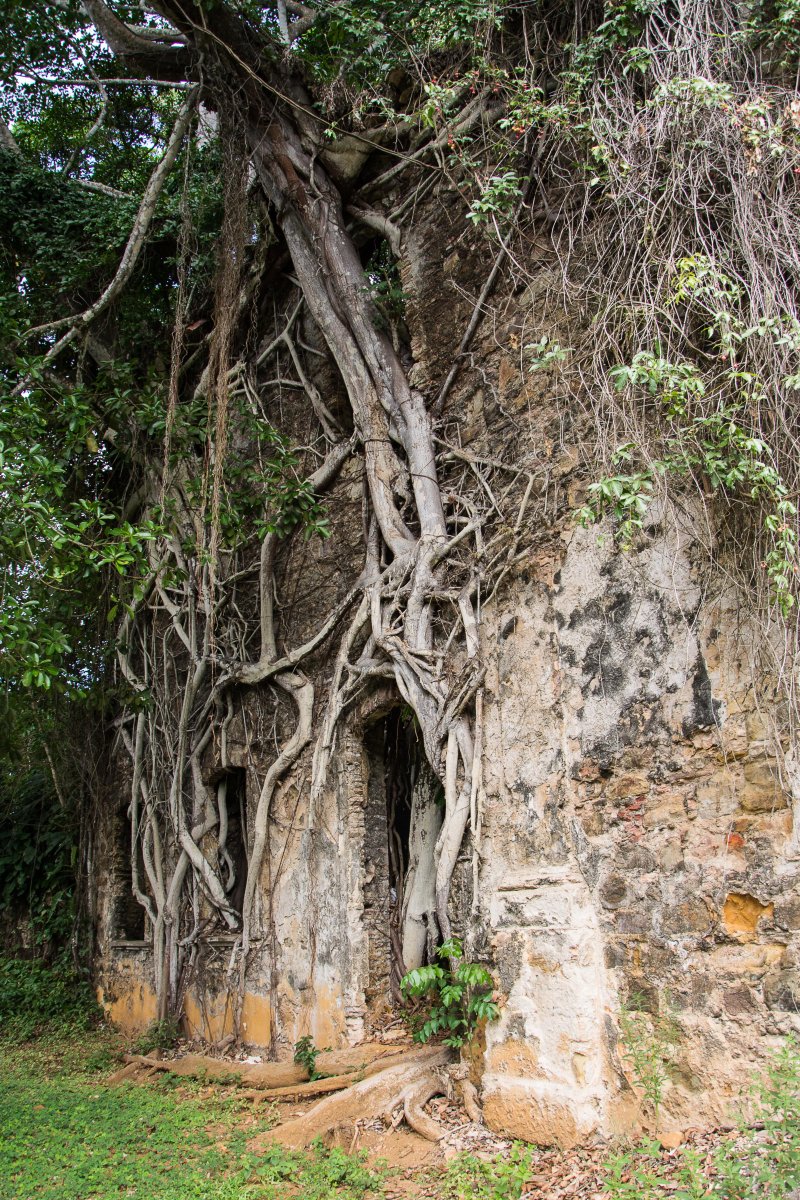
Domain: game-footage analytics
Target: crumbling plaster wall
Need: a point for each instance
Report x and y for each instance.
(638, 830)
(638, 839)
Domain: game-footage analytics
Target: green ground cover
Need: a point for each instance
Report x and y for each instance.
(66, 1135)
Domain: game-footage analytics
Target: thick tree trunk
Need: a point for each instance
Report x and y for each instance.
(412, 1083)
(396, 433)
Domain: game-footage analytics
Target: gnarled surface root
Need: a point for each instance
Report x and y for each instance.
(383, 1092)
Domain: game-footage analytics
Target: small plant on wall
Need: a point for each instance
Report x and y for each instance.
(648, 1043)
(762, 1163)
(450, 997)
(159, 1035)
(305, 1055)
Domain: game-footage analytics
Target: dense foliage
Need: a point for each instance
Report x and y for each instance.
(75, 442)
(451, 998)
(37, 856)
(45, 767)
(43, 1000)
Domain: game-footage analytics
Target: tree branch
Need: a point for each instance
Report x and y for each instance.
(7, 140)
(142, 51)
(77, 153)
(283, 22)
(135, 242)
(92, 185)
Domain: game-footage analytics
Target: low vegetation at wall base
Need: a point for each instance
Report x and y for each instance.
(35, 998)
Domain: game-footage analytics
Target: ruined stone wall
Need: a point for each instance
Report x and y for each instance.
(637, 815)
(124, 964)
(638, 842)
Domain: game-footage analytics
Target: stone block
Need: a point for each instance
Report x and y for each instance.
(739, 1002)
(538, 1112)
(613, 891)
(615, 955)
(594, 822)
(692, 915)
(586, 770)
(760, 791)
(635, 857)
(637, 922)
(717, 795)
(508, 950)
(782, 990)
(670, 857)
(625, 787)
(669, 813)
(756, 727)
(748, 960)
(742, 912)
(787, 913)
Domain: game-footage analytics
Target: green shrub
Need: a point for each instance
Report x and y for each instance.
(502, 1178)
(332, 1172)
(648, 1047)
(305, 1055)
(100, 1060)
(159, 1035)
(768, 1164)
(35, 998)
(454, 996)
(38, 844)
(636, 1174)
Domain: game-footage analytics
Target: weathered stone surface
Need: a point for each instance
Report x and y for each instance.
(782, 990)
(741, 914)
(613, 891)
(517, 1056)
(522, 1111)
(692, 915)
(787, 913)
(739, 1002)
(761, 791)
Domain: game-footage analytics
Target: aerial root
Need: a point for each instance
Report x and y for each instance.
(470, 1101)
(367, 1080)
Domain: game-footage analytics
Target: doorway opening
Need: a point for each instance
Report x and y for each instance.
(232, 833)
(403, 816)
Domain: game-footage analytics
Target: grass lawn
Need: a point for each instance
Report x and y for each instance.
(66, 1135)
